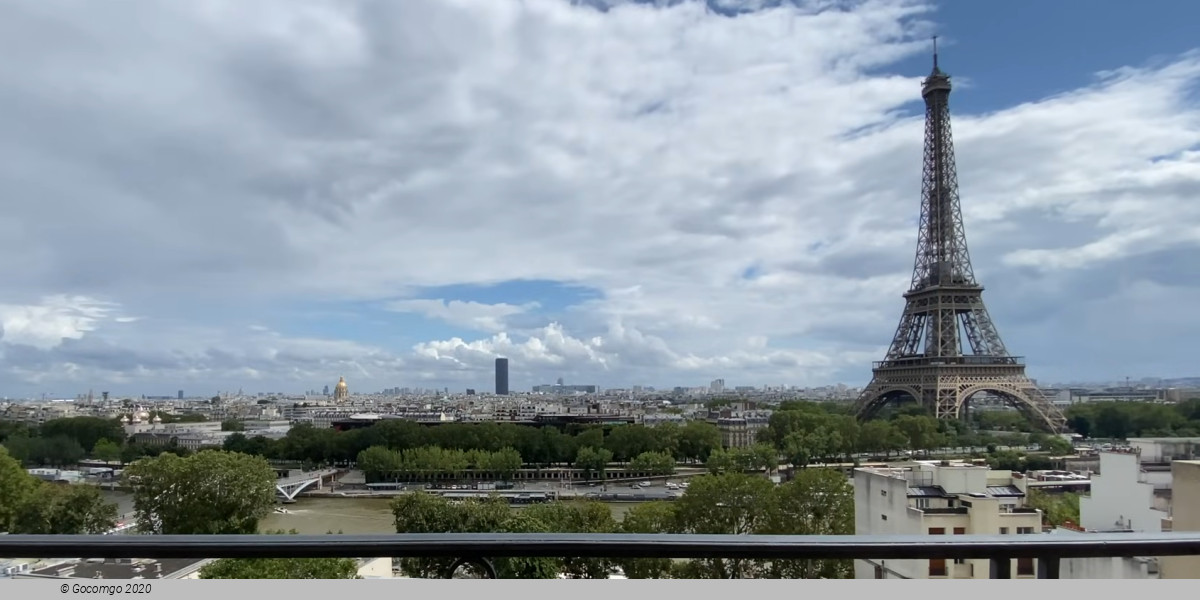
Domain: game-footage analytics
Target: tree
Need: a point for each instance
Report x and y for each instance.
(106, 451)
(425, 513)
(212, 492)
(29, 505)
(377, 462)
(1057, 509)
(648, 517)
(732, 503)
(16, 486)
(697, 439)
(815, 502)
(85, 431)
(594, 461)
(504, 462)
(629, 441)
(61, 451)
(281, 568)
(655, 463)
(65, 509)
(235, 425)
(920, 431)
(880, 436)
(578, 516)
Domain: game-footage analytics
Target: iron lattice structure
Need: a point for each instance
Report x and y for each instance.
(946, 348)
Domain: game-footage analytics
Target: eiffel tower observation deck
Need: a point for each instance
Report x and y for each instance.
(946, 349)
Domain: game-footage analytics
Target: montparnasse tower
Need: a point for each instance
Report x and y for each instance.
(340, 391)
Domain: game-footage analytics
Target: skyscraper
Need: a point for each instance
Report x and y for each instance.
(501, 376)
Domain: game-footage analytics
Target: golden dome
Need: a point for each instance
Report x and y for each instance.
(341, 384)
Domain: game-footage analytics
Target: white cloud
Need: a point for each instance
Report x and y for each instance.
(472, 315)
(56, 318)
(241, 155)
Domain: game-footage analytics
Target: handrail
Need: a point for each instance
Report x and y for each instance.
(590, 545)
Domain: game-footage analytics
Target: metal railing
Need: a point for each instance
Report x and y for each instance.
(479, 548)
(972, 360)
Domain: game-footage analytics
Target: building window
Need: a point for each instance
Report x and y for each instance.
(937, 531)
(922, 502)
(1024, 567)
(878, 572)
(937, 567)
(1024, 530)
(884, 517)
(960, 530)
(1003, 531)
(883, 493)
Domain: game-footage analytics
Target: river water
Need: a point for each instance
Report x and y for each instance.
(322, 515)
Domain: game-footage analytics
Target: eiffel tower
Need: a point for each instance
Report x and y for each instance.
(928, 359)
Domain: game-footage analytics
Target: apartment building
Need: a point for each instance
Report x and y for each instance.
(739, 428)
(931, 498)
(1185, 475)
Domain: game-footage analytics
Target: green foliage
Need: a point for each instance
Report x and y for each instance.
(536, 446)
(29, 505)
(16, 486)
(58, 451)
(817, 502)
(628, 441)
(106, 450)
(85, 431)
(232, 425)
(760, 457)
(380, 463)
(648, 517)
(594, 461)
(1056, 508)
(65, 509)
(427, 513)
(280, 568)
(213, 492)
(1121, 420)
(655, 463)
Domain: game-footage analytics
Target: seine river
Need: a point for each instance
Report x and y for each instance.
(321, 515)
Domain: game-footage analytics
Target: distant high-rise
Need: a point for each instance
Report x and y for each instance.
(326, 392)
(181, 394)
(501, 376)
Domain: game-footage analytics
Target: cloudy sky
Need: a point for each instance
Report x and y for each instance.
(268, 194)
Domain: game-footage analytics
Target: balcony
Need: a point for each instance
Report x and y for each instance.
(477, 549)
(952, 510)
(924, 361)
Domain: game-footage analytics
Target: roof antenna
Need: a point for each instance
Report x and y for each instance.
(935, 65)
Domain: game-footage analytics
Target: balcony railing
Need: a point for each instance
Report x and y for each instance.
(924, 361)
(479, 548)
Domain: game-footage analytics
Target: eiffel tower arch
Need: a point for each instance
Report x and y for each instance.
(947, 349)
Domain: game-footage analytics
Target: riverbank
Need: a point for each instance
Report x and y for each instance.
(319, 515)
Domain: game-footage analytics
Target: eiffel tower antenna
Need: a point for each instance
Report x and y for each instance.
(946, 348)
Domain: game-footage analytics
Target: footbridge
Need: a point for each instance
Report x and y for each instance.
(291, 486)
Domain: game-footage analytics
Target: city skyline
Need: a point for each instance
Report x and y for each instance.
(400, 194)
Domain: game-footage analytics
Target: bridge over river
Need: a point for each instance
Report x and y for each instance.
(290, 486)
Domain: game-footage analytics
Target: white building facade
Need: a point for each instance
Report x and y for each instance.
(941, 499)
